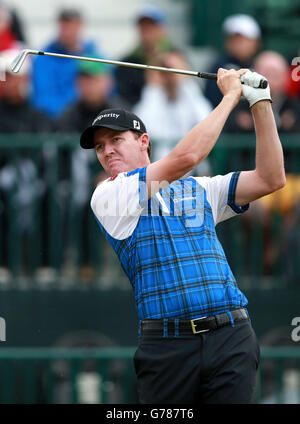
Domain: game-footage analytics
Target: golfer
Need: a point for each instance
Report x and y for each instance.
(196, 342)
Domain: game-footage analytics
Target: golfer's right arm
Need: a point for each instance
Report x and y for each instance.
(198, 142)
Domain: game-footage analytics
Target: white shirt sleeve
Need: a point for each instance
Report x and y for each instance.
(220, 194)
(118, 203)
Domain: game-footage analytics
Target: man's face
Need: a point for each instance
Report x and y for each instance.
(120, 151)
(150, 32)
(275, 69)
(172, 60)
(94, 89)
(241, 47)
(69, 31)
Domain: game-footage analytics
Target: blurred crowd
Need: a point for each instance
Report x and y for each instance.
(54, 95)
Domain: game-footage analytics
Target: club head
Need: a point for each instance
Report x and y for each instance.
(17, 63)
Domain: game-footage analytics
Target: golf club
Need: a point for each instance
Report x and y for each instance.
(20, 58)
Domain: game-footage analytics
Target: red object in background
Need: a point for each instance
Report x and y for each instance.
(7, 40)
(293, 86)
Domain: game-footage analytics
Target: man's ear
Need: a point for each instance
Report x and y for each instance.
(144, 139)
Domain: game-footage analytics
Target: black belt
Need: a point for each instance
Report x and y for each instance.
(172, 327)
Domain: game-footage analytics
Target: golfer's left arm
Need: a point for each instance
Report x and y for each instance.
(269, 174)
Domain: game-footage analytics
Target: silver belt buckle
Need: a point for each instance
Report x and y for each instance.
(194, 326)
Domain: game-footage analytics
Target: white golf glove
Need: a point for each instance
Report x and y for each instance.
(250, 91)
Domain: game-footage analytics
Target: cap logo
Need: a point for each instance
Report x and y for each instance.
(136, 125)
(106, 115)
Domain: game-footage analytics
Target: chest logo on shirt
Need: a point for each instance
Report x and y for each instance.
(183, 199)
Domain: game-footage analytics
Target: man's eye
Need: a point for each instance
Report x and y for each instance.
(99, 147)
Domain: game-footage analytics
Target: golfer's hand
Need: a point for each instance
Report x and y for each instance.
(250, 91)
(229, 82)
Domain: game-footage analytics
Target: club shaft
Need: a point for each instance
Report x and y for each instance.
(126, 64)
(19, 60)
(206, 75)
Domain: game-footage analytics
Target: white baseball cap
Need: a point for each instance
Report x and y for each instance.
(242, 24)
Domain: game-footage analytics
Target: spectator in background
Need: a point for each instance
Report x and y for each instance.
(286, 110)
(242, 40)
(94, 83)
(17, 115)
(171, 104)
(153, 39)
(54, 79)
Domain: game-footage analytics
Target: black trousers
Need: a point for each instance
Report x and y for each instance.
(217, 367)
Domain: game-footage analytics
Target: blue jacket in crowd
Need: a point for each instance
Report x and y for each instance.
(54, 79)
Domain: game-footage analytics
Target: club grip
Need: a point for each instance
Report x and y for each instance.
(262, 84)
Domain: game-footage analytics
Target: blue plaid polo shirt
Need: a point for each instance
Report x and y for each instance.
(167, 245)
